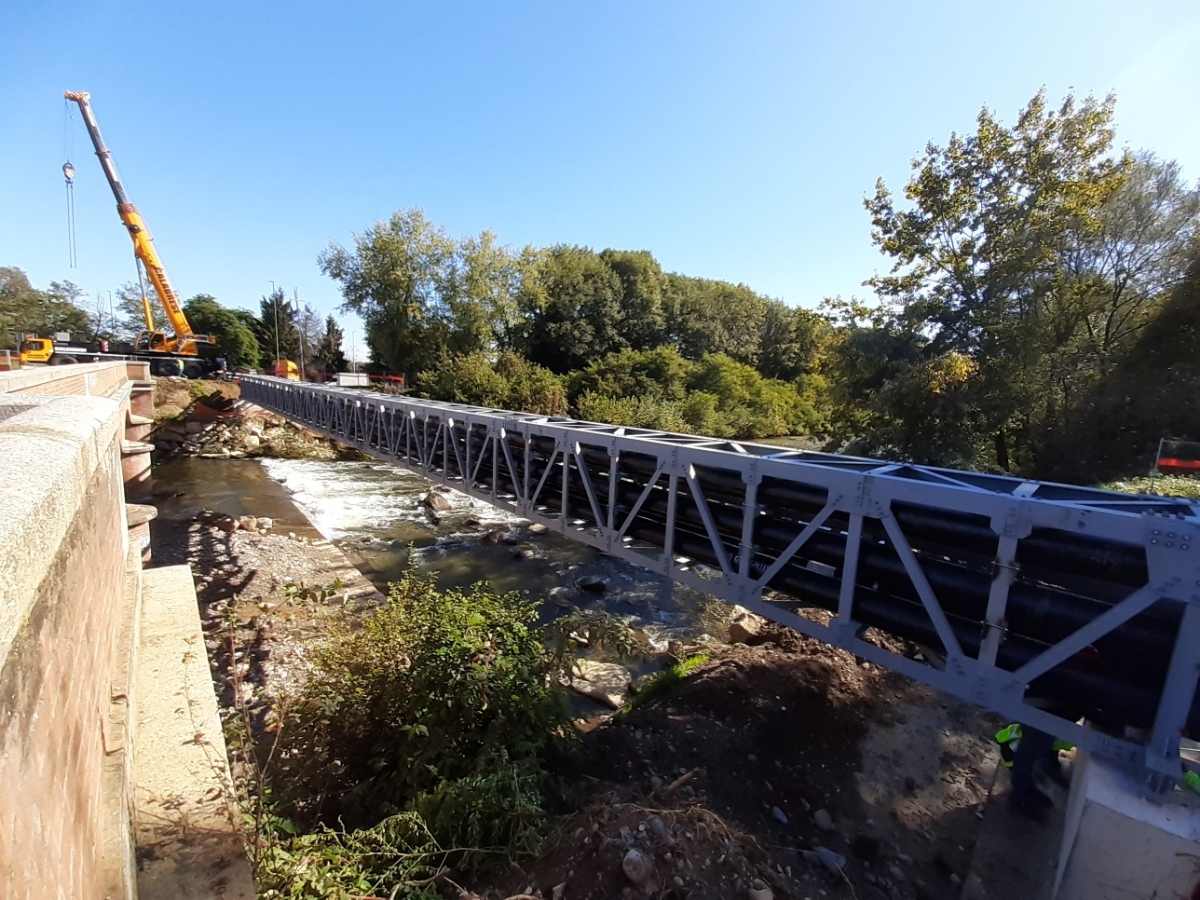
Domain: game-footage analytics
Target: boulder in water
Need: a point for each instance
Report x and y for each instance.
(438, 502)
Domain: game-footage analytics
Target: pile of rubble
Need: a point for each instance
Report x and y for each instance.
(237, 435)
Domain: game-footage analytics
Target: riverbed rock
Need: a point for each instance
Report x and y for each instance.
(605, 682)
(438, 502)
(193, 427)
(265, 523)
(538, 528)
(593, 583)
(509, 537)
(823, 820)
(227, 524)
(745, 627)
(252, 441)
(637, 867)
(760, 890)
(834, 862)
(248, 523)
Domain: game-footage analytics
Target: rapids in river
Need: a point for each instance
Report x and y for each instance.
(374, 513)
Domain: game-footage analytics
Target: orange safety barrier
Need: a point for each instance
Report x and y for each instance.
(1170, 465)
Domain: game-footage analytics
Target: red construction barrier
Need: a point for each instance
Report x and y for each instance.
(1178, 457)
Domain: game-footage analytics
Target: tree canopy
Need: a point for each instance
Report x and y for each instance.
(236, 341)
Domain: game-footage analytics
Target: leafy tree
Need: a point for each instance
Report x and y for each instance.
(131, 319)
(643, 320)
(236, 341)
(705, 316)
(1113, 428)
(396, 278)
(753, 406)
(328, 356)
(633, 412)
(571, 304)
(25, 310)
(1119, 272)
(277, 320)
(977, 257)
(480, 304)
(14, 283)
(791, 341)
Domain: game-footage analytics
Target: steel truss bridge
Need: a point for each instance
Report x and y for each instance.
(1043, 602)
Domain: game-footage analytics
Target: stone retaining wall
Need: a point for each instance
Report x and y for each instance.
(64, 605)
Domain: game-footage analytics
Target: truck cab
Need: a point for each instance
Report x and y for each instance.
(36, 350)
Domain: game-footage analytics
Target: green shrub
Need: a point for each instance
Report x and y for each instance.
(343, 865)
(701, 411)
(632, 412)
(507, 382)
(659, 374)
(443, 703)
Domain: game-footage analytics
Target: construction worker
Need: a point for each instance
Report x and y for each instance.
(1025, 750)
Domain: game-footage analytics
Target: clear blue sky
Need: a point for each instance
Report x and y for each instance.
(734, 140)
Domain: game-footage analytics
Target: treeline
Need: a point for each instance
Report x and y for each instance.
(608, 336)
(280, 330)
(1036, 318)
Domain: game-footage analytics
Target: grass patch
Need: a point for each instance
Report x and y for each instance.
(1171, 485)
(666, 683)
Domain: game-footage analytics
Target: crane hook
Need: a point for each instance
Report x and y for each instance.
(68, 171)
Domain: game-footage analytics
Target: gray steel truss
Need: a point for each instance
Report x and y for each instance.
(753, 524)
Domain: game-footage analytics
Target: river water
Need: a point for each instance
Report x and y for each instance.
(374, 513)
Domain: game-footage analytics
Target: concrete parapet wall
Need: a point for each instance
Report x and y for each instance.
(63, 612)
(88, 379)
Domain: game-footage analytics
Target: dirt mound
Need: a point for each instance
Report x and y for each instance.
(790, 765)
(686, 852)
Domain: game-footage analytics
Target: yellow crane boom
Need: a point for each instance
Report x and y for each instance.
(184, 340)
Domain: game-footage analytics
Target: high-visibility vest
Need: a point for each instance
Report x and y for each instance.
(1009, 739)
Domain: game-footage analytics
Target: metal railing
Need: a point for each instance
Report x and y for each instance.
(1043, 602)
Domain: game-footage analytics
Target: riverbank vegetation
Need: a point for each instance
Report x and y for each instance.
(1037, 314)
(420, 745)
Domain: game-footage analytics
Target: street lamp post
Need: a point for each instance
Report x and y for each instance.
(300, 323)
(275, 303)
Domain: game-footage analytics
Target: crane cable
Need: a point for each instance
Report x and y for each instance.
(68, 171)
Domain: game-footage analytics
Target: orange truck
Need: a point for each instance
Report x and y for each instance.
(285, 368)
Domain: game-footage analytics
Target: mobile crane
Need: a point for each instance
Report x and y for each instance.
(168, 354)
